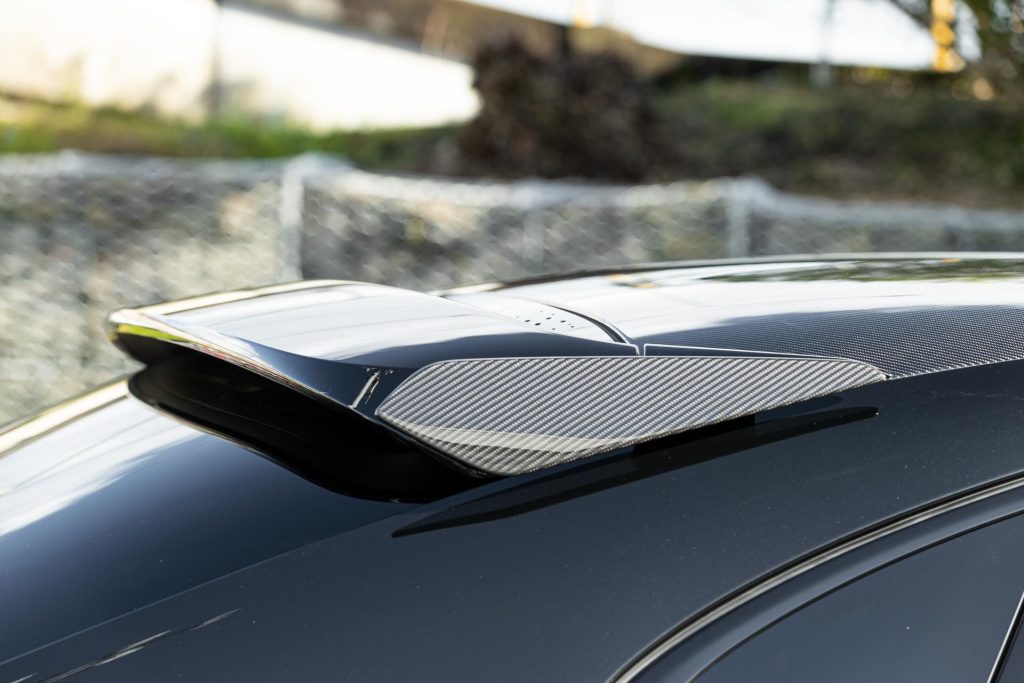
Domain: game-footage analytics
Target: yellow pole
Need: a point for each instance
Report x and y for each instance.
(581, 14)
(943, 16)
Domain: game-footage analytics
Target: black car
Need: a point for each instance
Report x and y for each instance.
(792, 470)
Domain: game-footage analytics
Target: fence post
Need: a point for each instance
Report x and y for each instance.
(743, 197)
(530, 200)
(291, 210)
(737, 219)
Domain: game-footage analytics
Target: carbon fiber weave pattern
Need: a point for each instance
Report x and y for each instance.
(903, 342)
(509, 416)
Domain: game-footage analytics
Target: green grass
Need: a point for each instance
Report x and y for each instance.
(850, 140)
(856, 141)
(28, 127)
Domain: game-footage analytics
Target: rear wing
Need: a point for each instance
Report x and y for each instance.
(487, 394)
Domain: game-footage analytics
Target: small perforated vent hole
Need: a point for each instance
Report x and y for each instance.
(537, 315)
(546, 318)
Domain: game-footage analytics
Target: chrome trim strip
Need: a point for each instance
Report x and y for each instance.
(637, 667)
(1015, 622)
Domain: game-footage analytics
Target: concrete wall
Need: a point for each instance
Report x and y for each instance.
(122, 53)
(162, 55)
(332, 79)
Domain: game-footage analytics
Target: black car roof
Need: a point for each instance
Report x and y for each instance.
(665, 349)
(906, 315)
(562, 574)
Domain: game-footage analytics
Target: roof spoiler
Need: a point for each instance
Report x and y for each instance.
(489, 394)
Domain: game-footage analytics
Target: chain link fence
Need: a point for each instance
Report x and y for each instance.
(81, 235)
(429, 232)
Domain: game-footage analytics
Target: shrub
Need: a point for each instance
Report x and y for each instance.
(577, 115)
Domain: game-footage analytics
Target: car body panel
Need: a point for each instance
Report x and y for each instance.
(576, 586)
(964, 590)
(141, 547)
(374, 325)
(125, 506)
(905, 316)
(758, 608)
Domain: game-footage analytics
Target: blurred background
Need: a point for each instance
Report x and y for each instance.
(153, 149)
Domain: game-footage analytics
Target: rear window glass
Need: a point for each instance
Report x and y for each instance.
(940, 615)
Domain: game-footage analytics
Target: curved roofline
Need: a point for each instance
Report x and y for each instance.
(449, 380)
(738, 261)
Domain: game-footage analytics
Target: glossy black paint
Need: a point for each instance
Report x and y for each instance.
(643, 461)
(344, 345)
(139, 548)
(904, 316)
(296, 431)
(843, 629)
(572, 590)
(898, 623)
(125, 506)
(348, 343)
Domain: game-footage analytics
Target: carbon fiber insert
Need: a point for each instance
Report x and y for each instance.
(514, 415)
(900, 341)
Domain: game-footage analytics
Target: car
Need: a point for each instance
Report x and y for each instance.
(802, 469)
